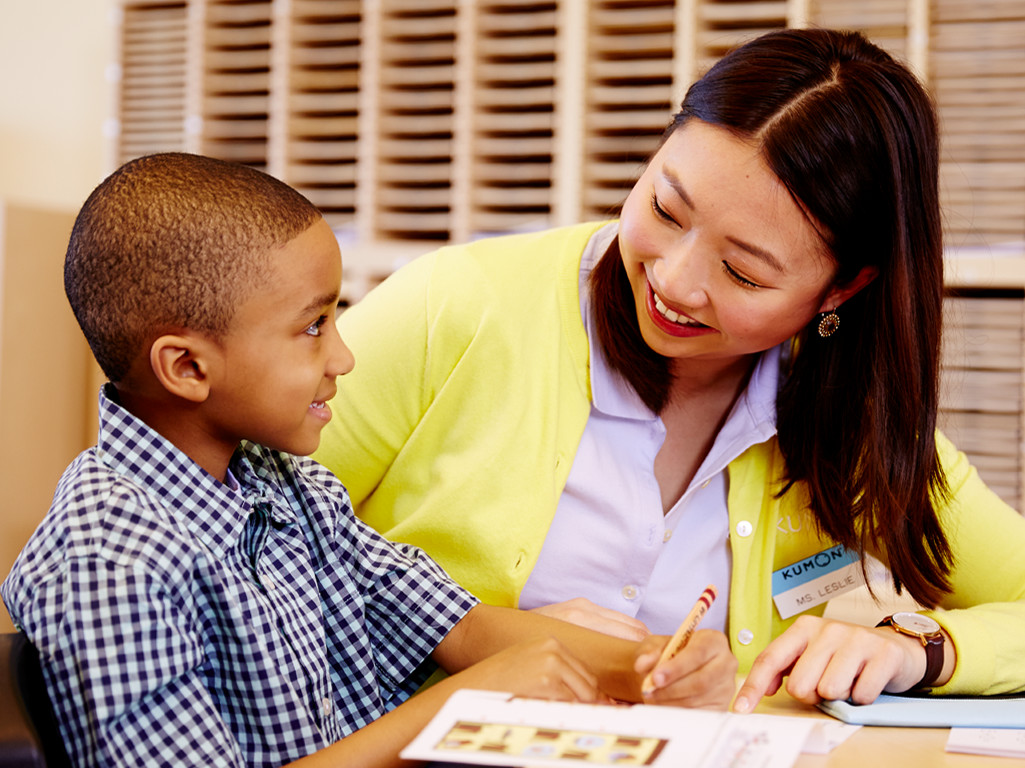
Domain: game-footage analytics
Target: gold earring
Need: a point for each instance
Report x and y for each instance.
(829, 323)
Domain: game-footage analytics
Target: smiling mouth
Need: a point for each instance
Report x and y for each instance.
(672, 316)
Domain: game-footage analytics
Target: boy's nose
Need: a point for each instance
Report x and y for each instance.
(341, 359)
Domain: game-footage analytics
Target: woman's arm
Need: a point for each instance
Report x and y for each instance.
(983, 617)
(828, 659)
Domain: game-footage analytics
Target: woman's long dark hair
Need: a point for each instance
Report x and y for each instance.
(852, 135)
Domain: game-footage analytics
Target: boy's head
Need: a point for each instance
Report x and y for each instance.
(171, 242)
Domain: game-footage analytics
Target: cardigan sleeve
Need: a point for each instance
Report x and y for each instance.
(985, 613)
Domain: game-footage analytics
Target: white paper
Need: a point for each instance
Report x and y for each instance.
(484, 728)
(999, 742)
(826, 736)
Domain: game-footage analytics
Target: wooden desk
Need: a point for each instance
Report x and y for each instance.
(877, 747)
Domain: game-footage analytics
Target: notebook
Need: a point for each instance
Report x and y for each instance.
(1007, 711)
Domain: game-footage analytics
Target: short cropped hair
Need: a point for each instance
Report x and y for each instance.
(173, 242)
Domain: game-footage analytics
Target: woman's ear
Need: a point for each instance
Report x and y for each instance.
(838, 294)
(182, 364)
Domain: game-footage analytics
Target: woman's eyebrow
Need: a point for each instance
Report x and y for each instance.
(673, 181)
(760, 253)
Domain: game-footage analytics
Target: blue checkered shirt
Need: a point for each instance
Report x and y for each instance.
(181, 622)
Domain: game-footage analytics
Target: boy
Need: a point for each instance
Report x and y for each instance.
(199, 596)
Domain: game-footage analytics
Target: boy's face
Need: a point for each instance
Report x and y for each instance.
(283, 352)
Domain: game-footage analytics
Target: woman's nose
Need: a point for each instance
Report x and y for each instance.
(682, 274)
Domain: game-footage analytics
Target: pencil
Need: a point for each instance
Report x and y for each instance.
(682, 634)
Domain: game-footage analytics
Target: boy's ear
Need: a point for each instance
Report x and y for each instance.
(838, 294)
(182, 365)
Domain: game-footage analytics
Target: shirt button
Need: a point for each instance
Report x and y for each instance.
(667, 536)
(745, 636)
(744, 528)
(705, 484)
(325, 706)
(630, 592)
(269, 584)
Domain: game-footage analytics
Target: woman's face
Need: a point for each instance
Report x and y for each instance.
(722, 261)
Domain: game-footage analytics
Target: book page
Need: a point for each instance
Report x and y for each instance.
(484, 728)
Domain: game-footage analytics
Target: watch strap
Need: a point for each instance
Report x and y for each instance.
(933, 644)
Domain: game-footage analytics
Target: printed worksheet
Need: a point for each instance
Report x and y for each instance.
(999, 742)
(486, 728)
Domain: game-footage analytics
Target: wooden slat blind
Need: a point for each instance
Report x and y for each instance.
(981, 397)
(236, 80)
(511, 87)
(628, 97)
(978, 55)
(321, 104)
(152, 75)
(415, 123)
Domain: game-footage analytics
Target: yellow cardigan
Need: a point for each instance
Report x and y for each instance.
(458, 426)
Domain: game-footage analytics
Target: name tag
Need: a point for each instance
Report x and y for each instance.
(815, 579)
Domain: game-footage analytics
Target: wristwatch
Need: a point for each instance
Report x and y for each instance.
(928, 633)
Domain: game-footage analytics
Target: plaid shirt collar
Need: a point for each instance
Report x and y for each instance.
(212, 511)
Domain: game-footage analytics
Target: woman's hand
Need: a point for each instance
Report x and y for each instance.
(701, 675)
(584, 613)
(826, 659)
(541, 669)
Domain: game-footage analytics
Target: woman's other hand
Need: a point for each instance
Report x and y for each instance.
(584, 613)
(702, 675)
(826, 659)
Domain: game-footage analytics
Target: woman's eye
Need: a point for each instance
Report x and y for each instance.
(659, 210)
(738, 277)
(314, 330)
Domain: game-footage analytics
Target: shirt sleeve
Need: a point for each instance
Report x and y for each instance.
(985, 613)
(126, 668)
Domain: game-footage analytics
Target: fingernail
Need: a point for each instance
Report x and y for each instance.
(741, 706)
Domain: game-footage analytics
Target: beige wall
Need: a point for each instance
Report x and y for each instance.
(53, 104)
(53, 98)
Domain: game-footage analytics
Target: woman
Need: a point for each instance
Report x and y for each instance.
(737, 379)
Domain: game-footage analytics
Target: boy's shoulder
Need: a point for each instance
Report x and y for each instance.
(100, 513)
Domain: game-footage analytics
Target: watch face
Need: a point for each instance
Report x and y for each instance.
(915, 622)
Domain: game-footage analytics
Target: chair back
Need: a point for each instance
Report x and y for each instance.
(29, 737)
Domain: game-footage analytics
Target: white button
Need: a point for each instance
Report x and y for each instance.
(269, 585)
(630, 592)
(667, 536)
(744, 528)
(745, 636)
(705, 484)
(325, 706)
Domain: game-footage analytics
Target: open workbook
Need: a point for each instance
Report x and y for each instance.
(486, 728)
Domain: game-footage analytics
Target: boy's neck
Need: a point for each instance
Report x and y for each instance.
(179, 421)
